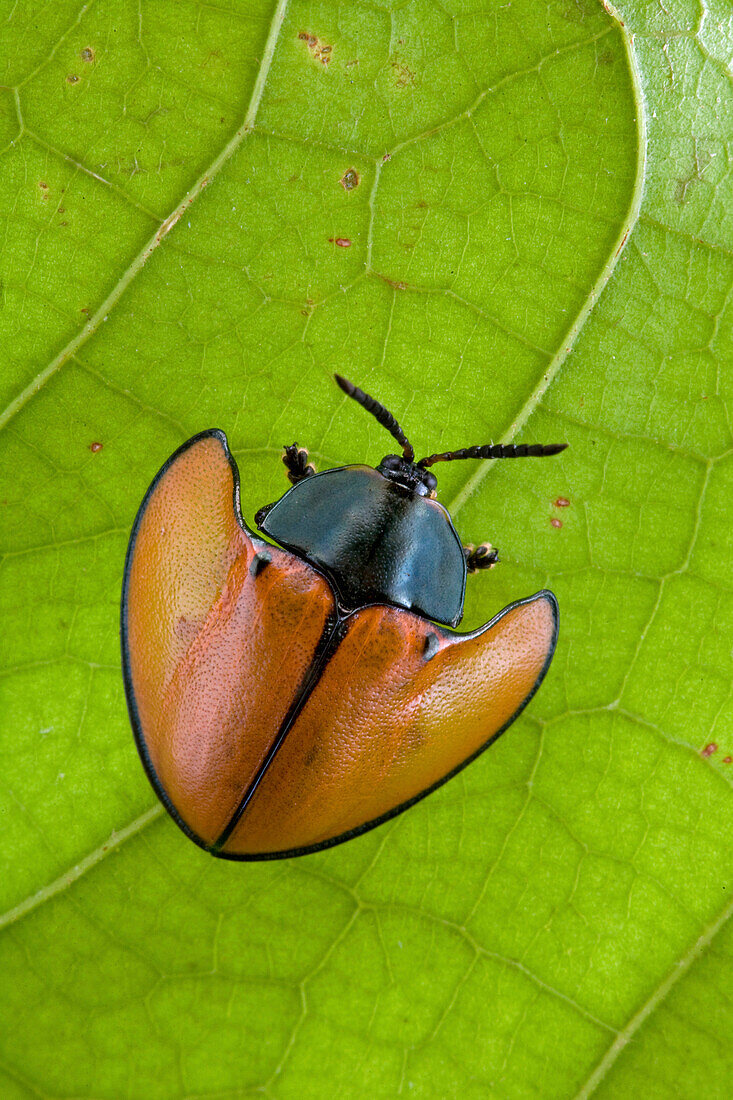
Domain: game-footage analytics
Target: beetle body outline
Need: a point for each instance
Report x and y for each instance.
(164, 710)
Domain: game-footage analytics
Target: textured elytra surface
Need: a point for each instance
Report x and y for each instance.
(556, 920)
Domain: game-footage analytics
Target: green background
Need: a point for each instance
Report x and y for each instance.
(540, 250)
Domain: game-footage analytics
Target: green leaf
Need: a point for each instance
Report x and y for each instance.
(537, 203)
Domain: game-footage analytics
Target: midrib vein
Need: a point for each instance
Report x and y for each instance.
(162, 230)
(569, 340)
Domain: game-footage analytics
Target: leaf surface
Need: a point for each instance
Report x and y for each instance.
(508, 221)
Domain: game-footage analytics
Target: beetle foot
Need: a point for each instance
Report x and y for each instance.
(297, 464)
(484, 556)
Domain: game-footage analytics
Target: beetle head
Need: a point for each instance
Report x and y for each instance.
(409, 475)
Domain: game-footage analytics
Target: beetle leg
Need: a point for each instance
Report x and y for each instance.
(484, 556)
(297, 464)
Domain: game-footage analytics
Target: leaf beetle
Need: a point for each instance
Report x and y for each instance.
(292, 692)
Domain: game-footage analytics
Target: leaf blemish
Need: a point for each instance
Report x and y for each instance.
(320, 50)
(562, 502)
(404, 76)
(392, 282)
(623, 242)
(350, 179)
(72, 78)
(556, 522)
(342, 242)
(95, 447)
(709, 749)
(88, 55)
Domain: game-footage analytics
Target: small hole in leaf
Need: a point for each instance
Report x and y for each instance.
(350, 179)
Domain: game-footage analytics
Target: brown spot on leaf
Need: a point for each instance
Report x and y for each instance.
(554, 522)
(43, 185)
(350, 179)
(624, 239)
(320, 50)
(728, 759)
(709, 749)
(342, 242)
(392, 282)
(95, 446)
(212, 59)
(562, 502)
(404, 76)
(88, 55)
(72, 78)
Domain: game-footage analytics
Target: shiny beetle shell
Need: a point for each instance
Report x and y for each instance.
(276, 712)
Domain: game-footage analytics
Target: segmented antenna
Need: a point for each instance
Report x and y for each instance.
(497, 450)
(384, 417)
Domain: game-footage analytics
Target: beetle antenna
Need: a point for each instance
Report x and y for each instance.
(384, 417)
(497, 450)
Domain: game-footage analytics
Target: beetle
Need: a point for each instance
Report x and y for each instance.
(288, 693)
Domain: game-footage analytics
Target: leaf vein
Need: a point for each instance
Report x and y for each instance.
(210, 173)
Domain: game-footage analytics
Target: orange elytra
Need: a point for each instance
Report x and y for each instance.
(288, 697)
